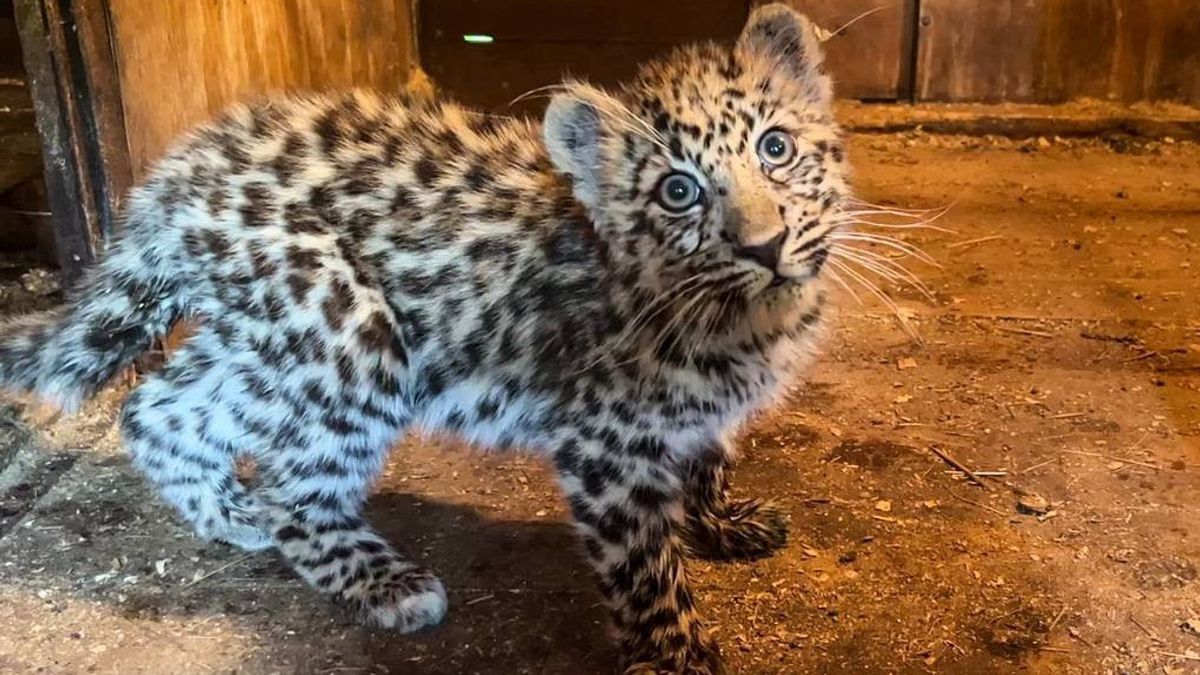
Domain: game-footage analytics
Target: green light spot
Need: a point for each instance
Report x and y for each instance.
(478, 39)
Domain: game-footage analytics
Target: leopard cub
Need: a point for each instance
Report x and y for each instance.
(617, 288)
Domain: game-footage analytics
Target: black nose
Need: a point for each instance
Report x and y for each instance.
(765, 254)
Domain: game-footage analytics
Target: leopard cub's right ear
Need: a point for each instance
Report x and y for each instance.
(572, 132)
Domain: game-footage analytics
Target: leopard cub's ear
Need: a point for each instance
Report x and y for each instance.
(572, 131)
(788, 40)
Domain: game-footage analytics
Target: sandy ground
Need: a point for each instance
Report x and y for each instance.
(1062, 348)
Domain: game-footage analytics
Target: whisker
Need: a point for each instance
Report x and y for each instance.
(915, 214)
(838, 278)
(537, 90)
(826, 35)
(888, 269)
(878, 259)
(672, 331)
(923, 218)
(662, 303)
(877, 292)
(898, 210)
(894, 226)
(867, 284)
(605, 104)
(888, 242)
(652, 309)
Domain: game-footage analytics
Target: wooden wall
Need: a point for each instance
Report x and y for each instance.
(1038, 51)
(872, 58)
(1049, 51)
(181, 61)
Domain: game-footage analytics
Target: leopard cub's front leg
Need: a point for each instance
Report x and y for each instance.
(628, 506)
(720, 528)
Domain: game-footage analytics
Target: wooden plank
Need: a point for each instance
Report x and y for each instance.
(871, 59)
(1052, 51)
(58, 85)
(181, 61)
(99, 100)
(1126, 50)
(977, 51)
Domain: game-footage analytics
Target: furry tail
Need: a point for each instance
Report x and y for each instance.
(66, 354)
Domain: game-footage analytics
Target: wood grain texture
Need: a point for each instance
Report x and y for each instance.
(181, 61)
(1051, 51)
(870, 59)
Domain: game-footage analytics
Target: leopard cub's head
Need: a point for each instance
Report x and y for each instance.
(718, 170)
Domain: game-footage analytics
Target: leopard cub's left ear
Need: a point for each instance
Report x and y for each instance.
(789, 40)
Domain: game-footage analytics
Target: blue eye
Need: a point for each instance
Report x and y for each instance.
(678, 192)
(776, 147)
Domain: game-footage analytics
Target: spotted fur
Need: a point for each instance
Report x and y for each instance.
(357, 266)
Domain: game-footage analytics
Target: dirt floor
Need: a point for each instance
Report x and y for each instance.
(1062, 348)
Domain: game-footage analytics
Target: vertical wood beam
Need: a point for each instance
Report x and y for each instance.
(77, 105)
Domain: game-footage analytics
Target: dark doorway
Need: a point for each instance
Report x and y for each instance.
(25, 228)
(486, 53)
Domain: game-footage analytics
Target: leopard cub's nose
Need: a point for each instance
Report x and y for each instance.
(766, 254)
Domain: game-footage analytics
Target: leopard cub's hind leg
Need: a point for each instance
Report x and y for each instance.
(178, 427)
(315, 494)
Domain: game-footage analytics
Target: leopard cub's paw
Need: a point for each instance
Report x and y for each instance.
(400, 595)
(758, 528)
(744, 530)
(699, 656)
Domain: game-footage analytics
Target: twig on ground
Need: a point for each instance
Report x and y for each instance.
(220, 569)
(1036, 466)
(1025, 331)
(1079, 636)
(1145, 630)
(985, 507)
(1114, 458)
(1055, 437)
(1122, 339)
(1057, 617)
(1174, 655)
(972, 242)
(961, 467)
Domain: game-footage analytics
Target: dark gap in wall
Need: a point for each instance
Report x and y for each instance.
(486, 53)
(911, 47)
(26, 234)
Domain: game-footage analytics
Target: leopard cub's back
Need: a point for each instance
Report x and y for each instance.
(358, 225)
